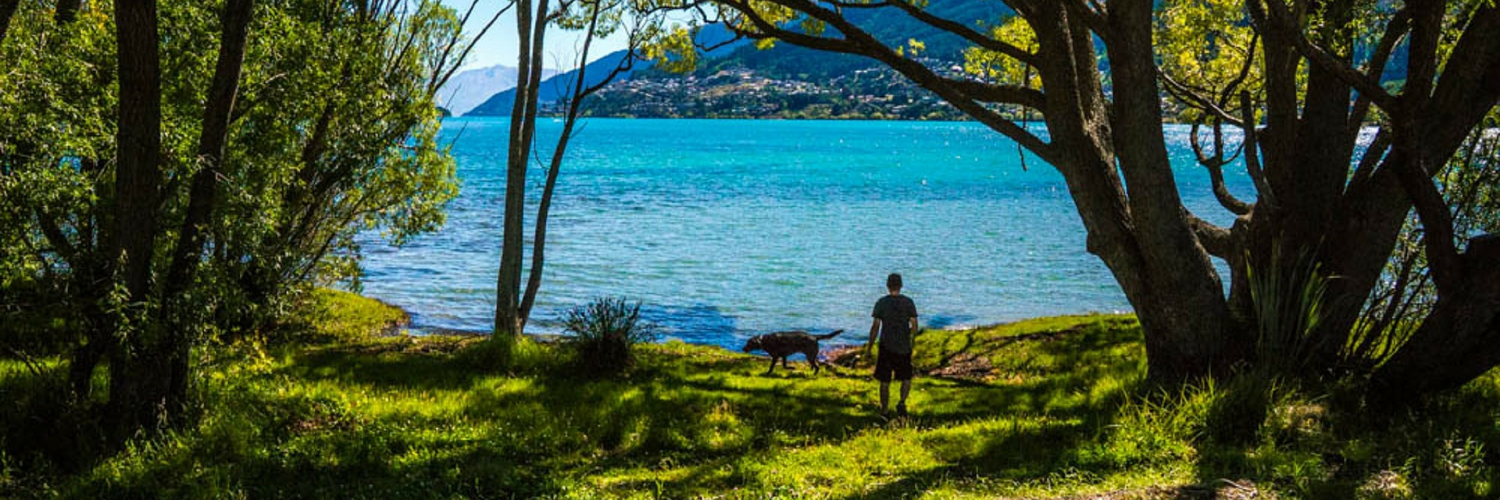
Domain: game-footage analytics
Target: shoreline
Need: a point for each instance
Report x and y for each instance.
(406, 329)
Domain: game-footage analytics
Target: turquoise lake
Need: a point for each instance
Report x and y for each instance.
(729, 228)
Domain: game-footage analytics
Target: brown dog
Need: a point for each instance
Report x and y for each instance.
(779, 345)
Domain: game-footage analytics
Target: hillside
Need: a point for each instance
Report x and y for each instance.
(784, 81)
(738, 92)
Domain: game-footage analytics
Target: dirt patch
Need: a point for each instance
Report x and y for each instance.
(1221, 490)
(850, 356)
(1046, 336)
(1224, 489)
(965, 366)
(429, 345)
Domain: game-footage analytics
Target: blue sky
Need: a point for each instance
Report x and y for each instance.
(499, 45)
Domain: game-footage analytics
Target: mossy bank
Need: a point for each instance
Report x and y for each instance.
(1046, 408)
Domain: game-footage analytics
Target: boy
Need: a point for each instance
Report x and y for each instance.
(895, 322)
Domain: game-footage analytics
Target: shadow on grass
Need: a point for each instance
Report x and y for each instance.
(390, 369)
(689, 420)
(392, 421)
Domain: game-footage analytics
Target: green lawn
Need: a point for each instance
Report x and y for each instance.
(1048, 408)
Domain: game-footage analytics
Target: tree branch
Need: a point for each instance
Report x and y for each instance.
(1437, 222)
(999, 93)
(1375, 67)
(1371, 89)
(1217, 241)
(859, 42)
(967, 33)
(1188, 96)
(1094, 14)
(1252, 153)
(438, 83)
(1215, 166)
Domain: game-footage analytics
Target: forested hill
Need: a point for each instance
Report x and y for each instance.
(890, 25)
(784, 80)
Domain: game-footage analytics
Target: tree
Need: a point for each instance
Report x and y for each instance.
(594, 18)
(195, 202)
(7, 10)
(1319, 189)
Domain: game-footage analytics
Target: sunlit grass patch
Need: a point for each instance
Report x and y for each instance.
(1059, 409)
(328, 315)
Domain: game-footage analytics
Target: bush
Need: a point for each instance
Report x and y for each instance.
(605, 332)
(42, 430)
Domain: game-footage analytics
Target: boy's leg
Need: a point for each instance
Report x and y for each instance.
(904, 372)
(883, 372)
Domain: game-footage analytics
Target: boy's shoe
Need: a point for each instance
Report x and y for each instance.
(901, 410)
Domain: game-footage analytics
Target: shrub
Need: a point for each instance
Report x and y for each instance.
(605, 332)
(1289, 303)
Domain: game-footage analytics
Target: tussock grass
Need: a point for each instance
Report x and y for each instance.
(1062, 412)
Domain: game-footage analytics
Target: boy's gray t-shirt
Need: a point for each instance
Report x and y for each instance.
(895, 313)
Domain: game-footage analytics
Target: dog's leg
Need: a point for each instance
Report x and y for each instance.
(773, 365)
(812, 359)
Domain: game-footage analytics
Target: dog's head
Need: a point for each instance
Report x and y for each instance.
(753, 344)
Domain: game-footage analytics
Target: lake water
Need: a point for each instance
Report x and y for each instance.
(730, 228)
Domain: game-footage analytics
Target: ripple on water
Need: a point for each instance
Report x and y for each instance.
(727, 228)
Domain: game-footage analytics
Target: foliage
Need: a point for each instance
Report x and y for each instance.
(994, 66)
(333, 134)
(1470, 183)
(1210, 46)
(295, 195)
(606, 332)
(1289, 302)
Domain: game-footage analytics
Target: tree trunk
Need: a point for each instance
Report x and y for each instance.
(138, 167)
(67, 11)
(531, 26)
(7, 11)
(1458, 341)
(1182, 297)
(212, 142)
(544, 207)
(137, 382)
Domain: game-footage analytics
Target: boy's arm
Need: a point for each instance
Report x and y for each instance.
(874, 330)
(914, 319)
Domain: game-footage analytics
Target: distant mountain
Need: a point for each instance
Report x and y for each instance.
(889, 25)
(552, 88)
(784, 81)
(469, 88)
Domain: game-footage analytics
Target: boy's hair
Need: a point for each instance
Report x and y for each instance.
(893, 281)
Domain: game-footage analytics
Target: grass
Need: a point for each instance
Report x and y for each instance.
(1047, 408)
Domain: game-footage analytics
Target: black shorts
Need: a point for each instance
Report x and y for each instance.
(889, 363)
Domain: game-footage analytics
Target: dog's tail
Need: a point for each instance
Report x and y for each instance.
(828, 336)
